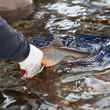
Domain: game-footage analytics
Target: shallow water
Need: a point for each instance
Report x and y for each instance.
(65, 86)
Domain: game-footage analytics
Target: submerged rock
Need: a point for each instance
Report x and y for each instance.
(16, 100)
(82, 43)
(93, 64)
(85, 92)
(48, 107)
(87, 107)
(56, 25)
(97, 86)
(103, 103)
(2, 98)
(41, 41)
(63, 8)
(72, 97)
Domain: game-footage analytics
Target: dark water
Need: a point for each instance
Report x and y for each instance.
(58, 87)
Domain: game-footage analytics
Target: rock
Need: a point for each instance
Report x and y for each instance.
(15, 9)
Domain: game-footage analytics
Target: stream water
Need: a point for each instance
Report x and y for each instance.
(73, 83)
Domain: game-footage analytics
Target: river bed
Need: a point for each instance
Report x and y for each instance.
(64, 86)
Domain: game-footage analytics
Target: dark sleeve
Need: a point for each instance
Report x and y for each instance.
(13, 45)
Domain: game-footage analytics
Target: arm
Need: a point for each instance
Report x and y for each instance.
(13, 46)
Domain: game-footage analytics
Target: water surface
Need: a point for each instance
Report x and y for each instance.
(58, 87)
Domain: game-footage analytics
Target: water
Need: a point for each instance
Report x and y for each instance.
(65, 86)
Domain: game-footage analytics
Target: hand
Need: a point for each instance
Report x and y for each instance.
(32, 64)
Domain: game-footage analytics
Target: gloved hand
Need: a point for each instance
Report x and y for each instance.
(32, 64)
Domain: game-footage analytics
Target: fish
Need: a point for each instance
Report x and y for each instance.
(80, 46)
(53, 55)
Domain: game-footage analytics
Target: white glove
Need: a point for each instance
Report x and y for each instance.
(32, 64)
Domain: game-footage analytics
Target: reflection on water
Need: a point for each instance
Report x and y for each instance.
(61, 87)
